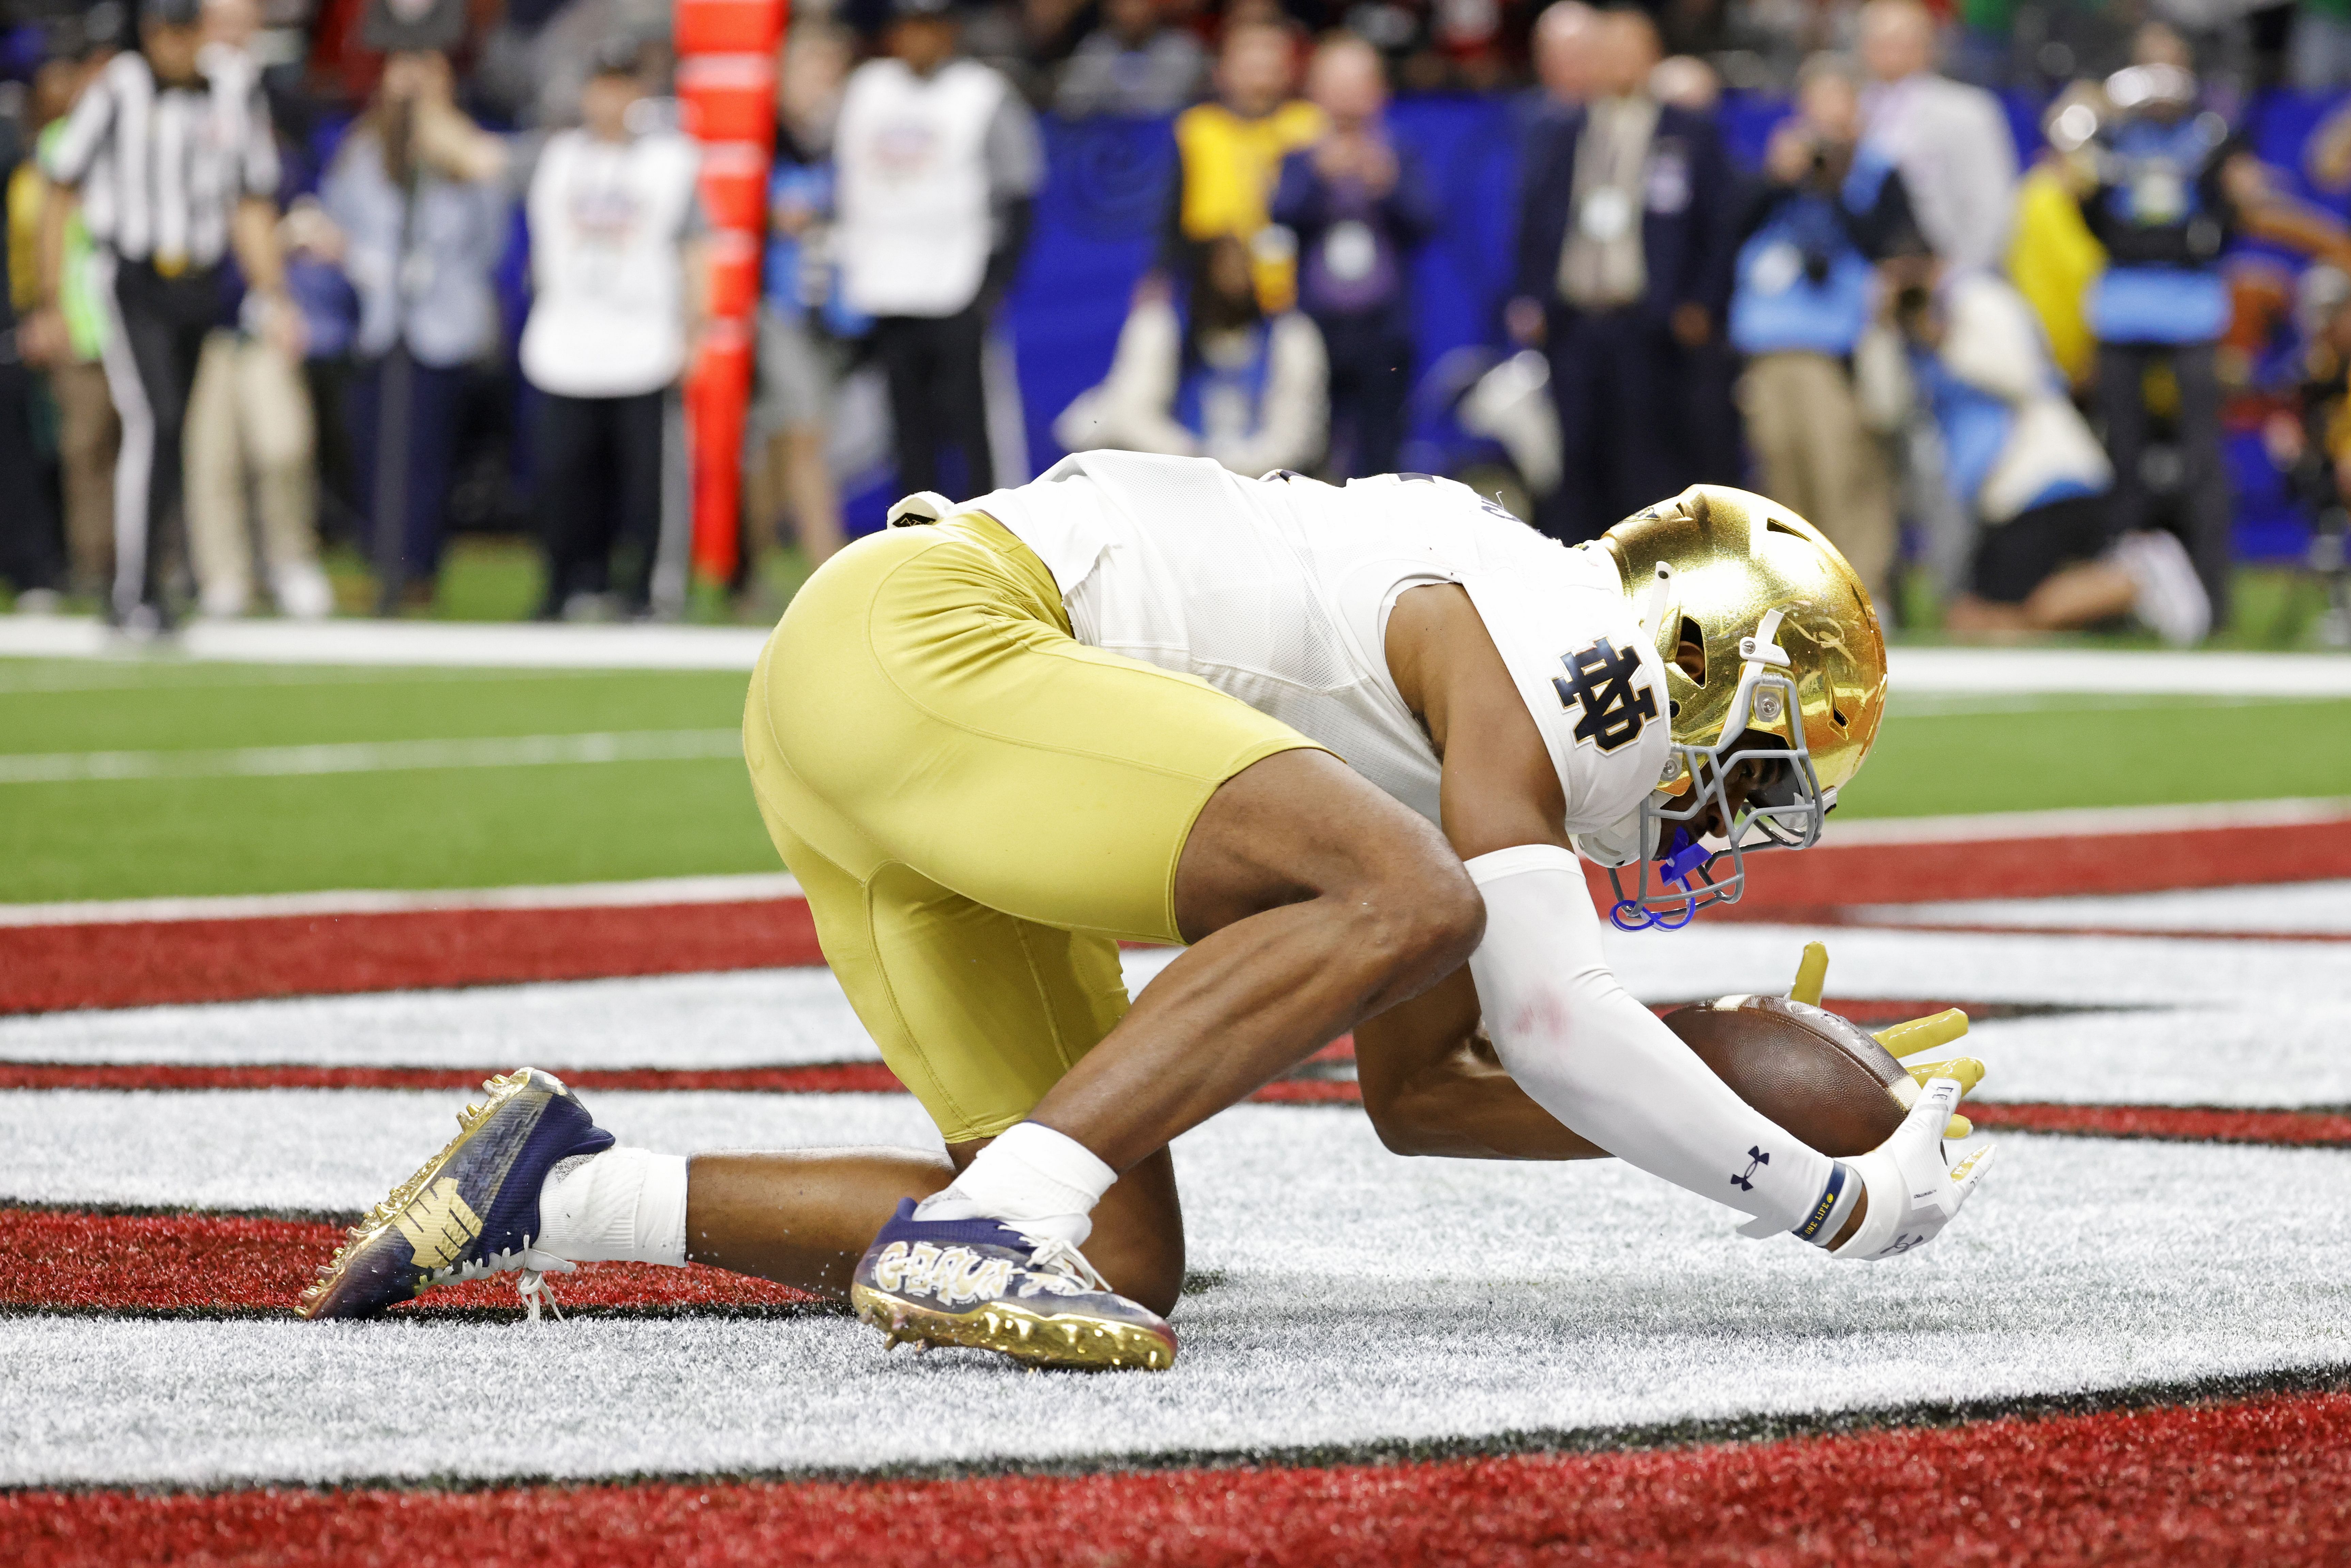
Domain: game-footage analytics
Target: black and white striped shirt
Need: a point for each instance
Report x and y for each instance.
(162, 168)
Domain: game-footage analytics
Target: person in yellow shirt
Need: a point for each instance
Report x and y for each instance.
(2052, 257)
(1229, 152)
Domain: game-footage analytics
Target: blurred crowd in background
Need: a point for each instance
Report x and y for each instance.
(2041, 312)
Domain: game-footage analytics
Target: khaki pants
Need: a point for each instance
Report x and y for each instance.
(1814, 456)
(250, 421)
(88, 435)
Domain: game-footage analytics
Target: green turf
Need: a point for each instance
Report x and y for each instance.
(1935, 757)
(438, 828)
(165, 705)
(449, 828)
(492, 826)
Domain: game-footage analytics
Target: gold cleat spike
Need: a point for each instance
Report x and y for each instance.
(1905, 1039)
(1026, 1334)
(1811, 975)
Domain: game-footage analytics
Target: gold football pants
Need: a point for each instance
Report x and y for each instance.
(979, 807)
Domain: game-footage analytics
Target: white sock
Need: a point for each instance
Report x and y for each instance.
(625, 1206)
(1042, 1183)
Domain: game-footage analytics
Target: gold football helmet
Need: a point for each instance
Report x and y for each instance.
(1785, 698)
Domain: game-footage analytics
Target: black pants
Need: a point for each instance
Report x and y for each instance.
(600, 487)
(1371, 376)
(1710, 390)
(344, 497)
(151, 371)
(1617, 380)
(29, 556)
(432, 429)
(2021, 554)
(2203, 484)
(937, 397)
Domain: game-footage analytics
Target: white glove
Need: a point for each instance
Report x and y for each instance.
(1912, 1194)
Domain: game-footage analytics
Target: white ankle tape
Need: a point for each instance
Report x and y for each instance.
(1029, 1173)
(622, 1205)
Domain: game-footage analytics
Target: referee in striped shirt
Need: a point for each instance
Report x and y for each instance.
(175, 168)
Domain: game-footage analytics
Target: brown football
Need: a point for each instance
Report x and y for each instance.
(1824, 1078)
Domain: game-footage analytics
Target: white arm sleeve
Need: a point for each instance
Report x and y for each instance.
(1605, 1065)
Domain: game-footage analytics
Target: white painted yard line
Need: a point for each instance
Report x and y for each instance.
(2087, 821)
(1977, 671)
(1910, 705)
(739, 889)
(417, 643)
(1988, 671)
(751, 1017)
(2028, 967)
(373, 757)
(1357, 1297)
(2286, 910)
(2247, 1023)
(36, 677)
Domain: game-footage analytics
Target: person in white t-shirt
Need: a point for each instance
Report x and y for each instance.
(938, 167)
(616, 265)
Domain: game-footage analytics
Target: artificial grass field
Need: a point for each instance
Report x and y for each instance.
(498, 825)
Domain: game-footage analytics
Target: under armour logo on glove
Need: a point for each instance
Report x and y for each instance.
(1742, 1180)
(1614, 712)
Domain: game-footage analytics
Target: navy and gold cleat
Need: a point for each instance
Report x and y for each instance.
(983, 1285)
(472, 1211)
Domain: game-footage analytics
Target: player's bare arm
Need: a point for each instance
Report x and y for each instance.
(1431, 1082)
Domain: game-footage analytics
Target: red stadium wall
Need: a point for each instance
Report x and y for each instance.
(726, 84)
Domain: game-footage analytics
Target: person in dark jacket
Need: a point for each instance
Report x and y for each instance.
(2162, 207)
(1359, 205)
(1624, 268)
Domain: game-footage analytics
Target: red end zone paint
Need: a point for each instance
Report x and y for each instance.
(130, 964)
(135, 963)
(69, 1260)
(1785, 886)
(2265, 1480)
(2187, 1124)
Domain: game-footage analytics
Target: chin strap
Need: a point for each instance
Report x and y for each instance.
(1653, 609)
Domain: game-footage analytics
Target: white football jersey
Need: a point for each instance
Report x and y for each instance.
(1277, 591)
